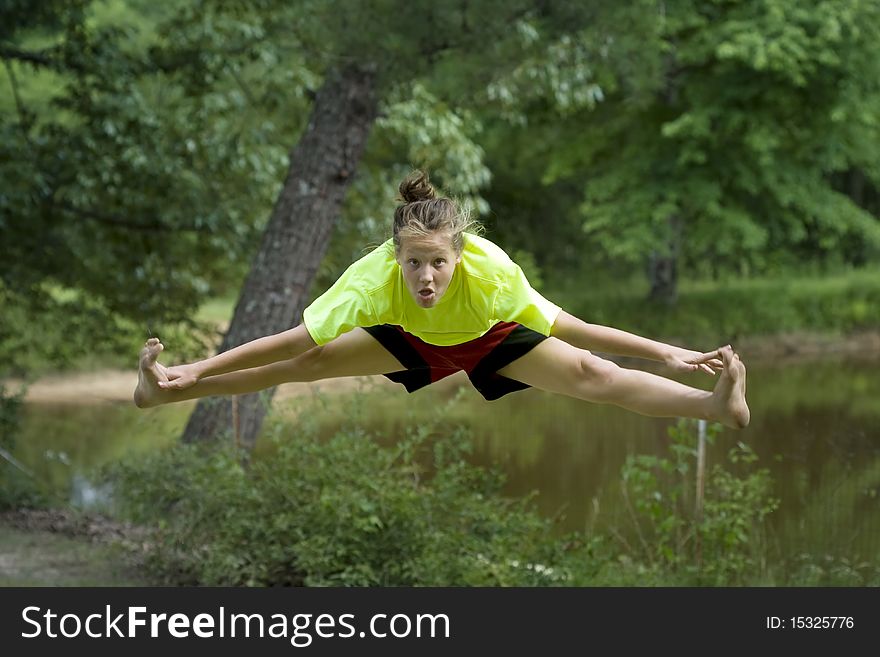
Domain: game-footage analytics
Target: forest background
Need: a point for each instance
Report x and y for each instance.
(699, 172)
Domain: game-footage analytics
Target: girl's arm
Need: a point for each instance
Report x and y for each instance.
(594, 337)
(262, 351)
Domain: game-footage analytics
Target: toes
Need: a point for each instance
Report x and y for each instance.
(150, 353)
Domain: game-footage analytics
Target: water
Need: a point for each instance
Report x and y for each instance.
(815, 426)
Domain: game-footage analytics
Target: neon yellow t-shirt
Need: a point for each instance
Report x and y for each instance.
(486, 287)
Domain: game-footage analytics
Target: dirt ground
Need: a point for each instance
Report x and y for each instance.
(63, 548)
(118, 386)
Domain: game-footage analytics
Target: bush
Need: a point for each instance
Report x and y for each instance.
(670, 543)
(347, 512)
(830, 570)
(343, 512)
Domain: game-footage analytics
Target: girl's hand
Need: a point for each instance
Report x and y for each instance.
(179, 377)
(685, 360)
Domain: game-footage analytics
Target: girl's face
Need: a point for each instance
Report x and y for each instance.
(427, 264)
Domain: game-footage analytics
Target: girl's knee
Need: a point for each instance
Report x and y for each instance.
(597, 375)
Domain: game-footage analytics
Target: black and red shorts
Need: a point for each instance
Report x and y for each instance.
(480, 359)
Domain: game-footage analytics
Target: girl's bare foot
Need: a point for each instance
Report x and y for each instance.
(150, 373)
(729, 396)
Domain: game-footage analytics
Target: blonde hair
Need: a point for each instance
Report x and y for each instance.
(423, 213)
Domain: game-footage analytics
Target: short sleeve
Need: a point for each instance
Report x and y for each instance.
(340, 309)
(519, 302)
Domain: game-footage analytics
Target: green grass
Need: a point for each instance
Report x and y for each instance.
(713, 312)
(217, 310)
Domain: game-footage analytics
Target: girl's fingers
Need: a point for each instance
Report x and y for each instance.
(708, 362)
(711, 358)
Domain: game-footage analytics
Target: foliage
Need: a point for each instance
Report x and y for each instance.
(55, 328)
(122, 187)
(18, 489)
(143, 144)
(831, 570)
(344, 512)
(838, 521)
(713, 312)
(723, 544)
(347, 512)
(720, 139)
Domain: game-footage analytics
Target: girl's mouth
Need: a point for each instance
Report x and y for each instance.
(426, 294)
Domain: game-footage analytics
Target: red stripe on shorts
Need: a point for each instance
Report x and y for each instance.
(444, 361)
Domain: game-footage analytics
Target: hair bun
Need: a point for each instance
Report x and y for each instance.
(415, 187)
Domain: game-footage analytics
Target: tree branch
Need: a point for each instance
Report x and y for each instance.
(19, 106)
(242, 85)
(467, 33)
(41, 58)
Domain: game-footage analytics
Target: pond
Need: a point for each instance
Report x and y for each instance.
(815, 427)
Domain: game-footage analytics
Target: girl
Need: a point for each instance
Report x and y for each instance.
(436, 299)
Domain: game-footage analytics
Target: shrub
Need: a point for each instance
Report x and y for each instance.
(671, 543)
(341, 512)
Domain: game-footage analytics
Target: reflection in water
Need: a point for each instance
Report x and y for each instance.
(84, 494)
(815, 426)
(63, 444)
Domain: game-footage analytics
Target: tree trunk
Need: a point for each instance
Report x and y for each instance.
(664, 279)
(322, 165)
(663, 267)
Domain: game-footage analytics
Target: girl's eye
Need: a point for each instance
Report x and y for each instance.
(413, 262)
(439, 261)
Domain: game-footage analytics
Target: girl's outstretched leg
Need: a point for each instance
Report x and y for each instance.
(558, 367)
(355, 353)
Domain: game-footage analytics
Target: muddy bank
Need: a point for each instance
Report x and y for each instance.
(118, 386)
(68, 522)
(63, 548)
(811, 345)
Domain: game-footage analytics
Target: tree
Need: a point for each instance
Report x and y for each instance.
(129, 191)
(321, 167)
(724, 129)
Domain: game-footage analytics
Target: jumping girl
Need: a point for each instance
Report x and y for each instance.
(436, 299)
